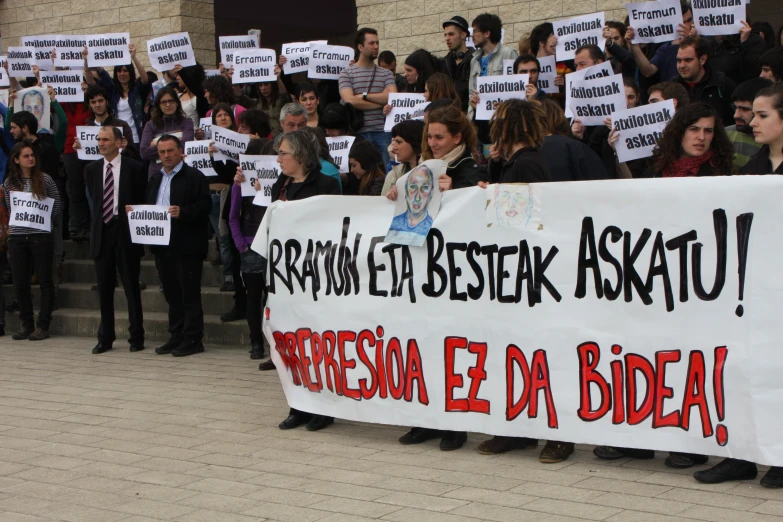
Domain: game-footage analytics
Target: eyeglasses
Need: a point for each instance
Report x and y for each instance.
(168, 102)
(283, 153)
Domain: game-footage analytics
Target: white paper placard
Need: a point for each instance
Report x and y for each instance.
(20, 61)
(35, 100)
(328, 61)
(231, 44)
(260, 171)
(298, 56)
(150, 225)
(67, 85)
(88, 142)
(5, 80)
(575, 32)
(108, 50)
(339, 149)
(28, 211)
(640, 129)
(69, 49)
(229, 144)
(654, 22)
(718, 17)
(508, 67)
(254, 66)
(602, 70)
(592, 101)
(404, 107)
(206, 125)
(546, 78)
(197, 156)
(493, 90)
(166, 52)
(42, 46)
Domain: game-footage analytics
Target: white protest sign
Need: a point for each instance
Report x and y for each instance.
(339, 149)
(718, 17)
(206, 125)
(35, 100)
(602, 70)
(640, 129)
(592, 101)
(150, 225)
(197, 156)
(328, 61)
(68, 51)
(20, 61)
(88, 142)
(404, 107)
(654, 22)
(493, 90)
(262, 171)
(253, 66)
(108, 50)
(67, 85)
(575, 32)
(644, 352)
(42, 47)
(508, 67)
(229, 144)
(31, 212)
(231, 44)
(166, 52)
(298, 56)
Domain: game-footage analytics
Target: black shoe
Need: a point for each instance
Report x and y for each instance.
(684, 460)
(267, 366)
(168, 347)
(773, 478)
(136, 347)
(39, 334)
(319, 422)
(101, 348)
(227, 286)
(727, 469)
(257, 351)
(22, 334)
(614, 453)
(453, 440)
(142, 285)
(187, 349)
(233, 315)
(419, 435)
(294, 421)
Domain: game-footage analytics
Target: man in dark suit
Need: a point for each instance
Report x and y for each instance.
(185, 191)
(114, 182)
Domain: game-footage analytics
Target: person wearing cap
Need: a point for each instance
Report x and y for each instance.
(456, 64)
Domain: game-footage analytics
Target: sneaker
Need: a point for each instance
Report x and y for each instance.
(453, 440)
(38, 335)
(773, 478)
(257, 351)
(319, 422)
(419, 435)
(24, 333)
(233, 315)
(727, 469)
(227, 286)
(614, 453)
(555, 452)
(497, 445)
(684, 460)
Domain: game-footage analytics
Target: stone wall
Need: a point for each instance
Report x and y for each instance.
(144, 19)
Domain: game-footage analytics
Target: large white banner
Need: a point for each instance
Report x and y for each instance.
(328, 61)
(640, 129)
(654, 22)
(493, 90)
(166, 52)
(641, 314)
(404, 107)
(573, 33)
(718, 17)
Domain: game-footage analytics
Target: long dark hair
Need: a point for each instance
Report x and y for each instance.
(225, 108)
(117, 85)
(220, 89)
(425, 64)
(669, 148)
(775, 93)
(369, 158)
(263, 102)
(13, 178)
(157, 112)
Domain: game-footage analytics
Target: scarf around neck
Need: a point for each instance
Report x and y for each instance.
(686, 167)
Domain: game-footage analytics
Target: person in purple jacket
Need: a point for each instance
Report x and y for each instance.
(167, 118)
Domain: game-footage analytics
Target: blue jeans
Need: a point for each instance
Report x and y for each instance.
(381, 140)
(224, 242)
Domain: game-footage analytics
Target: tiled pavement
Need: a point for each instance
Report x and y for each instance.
(139, 438)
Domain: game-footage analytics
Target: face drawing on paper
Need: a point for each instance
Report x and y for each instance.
(33, 102)
(514, 205)
(418, 193)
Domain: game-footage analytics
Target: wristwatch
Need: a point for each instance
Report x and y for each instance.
(364, 96)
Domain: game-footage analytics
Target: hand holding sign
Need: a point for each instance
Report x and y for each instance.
(260, 173)
(150, 224)
(575, 32)
(493, 90)
(169, 51)
(108, 50)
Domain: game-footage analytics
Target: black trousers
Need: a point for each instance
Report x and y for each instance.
(180, 276)
(28, 251)
(112, 258)
(256, 297)
(78, 208)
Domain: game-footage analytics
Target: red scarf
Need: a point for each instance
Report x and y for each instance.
(686, 167)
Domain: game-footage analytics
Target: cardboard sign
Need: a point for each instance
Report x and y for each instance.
(718, 17)
(150, 225)
(640, 129)
(262, 172)
(206, 125)
(572, 33)
(35, 100)
(42, 47)
(197, 156)
(231, 44)
(28, 211)
(20, 61)
(493, 90)
(229, 144)
(108, 50)
(328, 61)
(654, 22)
(339, 149)
(592, 101)
(404, 107)
(254, 66)
(67, 85)
(88, 142)
(166, 52)
(298, 56)
(602, 70)
(68, 51)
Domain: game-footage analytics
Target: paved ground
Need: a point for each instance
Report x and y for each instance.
(139, 438)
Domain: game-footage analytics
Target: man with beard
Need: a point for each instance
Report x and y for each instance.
(741, 134)
(456, 64)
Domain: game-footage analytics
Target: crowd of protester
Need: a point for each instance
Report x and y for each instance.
(728, 120)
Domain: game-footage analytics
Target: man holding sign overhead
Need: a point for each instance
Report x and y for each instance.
(114, 182)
